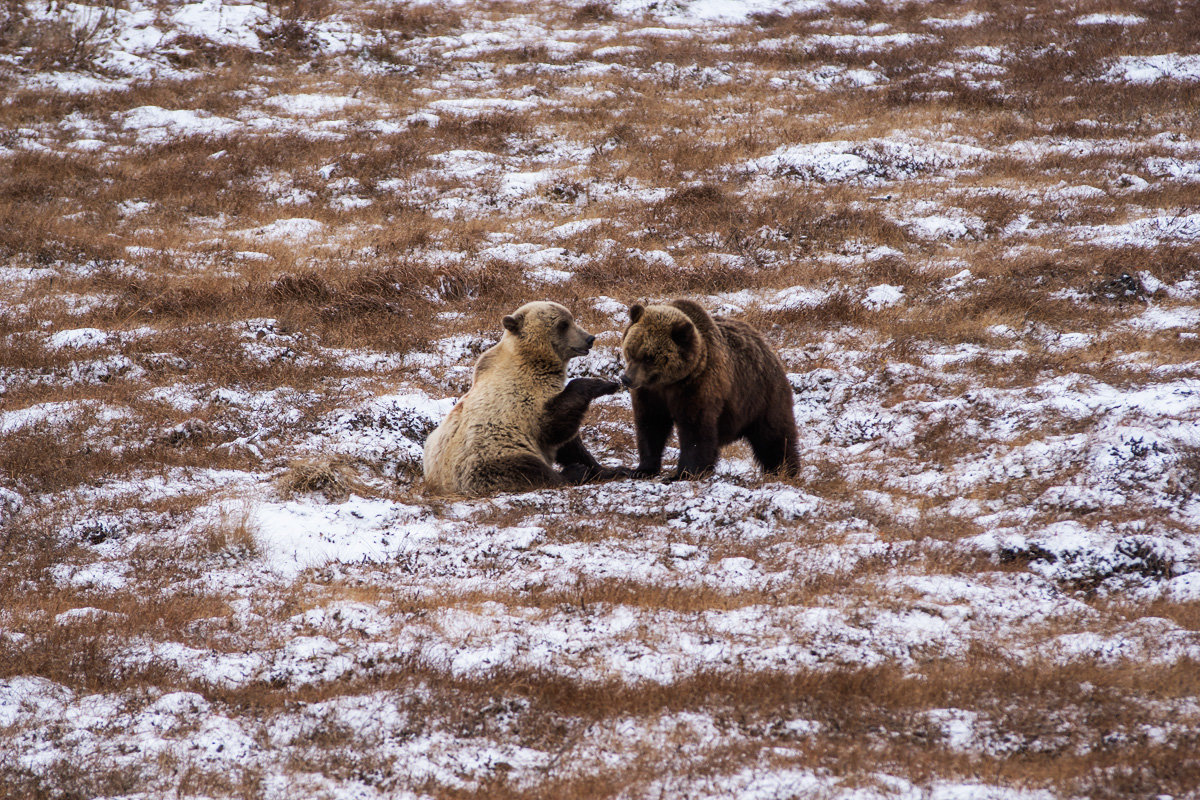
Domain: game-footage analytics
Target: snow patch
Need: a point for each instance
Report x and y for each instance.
(1153, 69)
(155, 125)
(77, 339)
(883, 296)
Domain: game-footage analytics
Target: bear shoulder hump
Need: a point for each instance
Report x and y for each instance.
(696, 313)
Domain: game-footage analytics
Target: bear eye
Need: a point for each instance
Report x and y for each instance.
(562, 325)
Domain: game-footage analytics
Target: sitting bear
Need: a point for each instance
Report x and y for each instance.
(517, 419)
(716, 380)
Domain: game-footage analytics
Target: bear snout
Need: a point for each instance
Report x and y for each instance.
(626, 380)
(591, 339)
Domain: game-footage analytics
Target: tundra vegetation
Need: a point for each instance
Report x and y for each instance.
(250, 251)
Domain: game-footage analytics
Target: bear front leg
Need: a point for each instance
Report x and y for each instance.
(698, 450)
(653, 422)
(573, 452)
(565, 410)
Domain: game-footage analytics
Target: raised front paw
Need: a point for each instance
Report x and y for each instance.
(593, 387)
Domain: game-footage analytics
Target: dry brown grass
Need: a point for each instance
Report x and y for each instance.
(333, 477)
(54, 43)
(232, 533)
(873, 716)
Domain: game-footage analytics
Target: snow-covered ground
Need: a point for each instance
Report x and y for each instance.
(253, 239)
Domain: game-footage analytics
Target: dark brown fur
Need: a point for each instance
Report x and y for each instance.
(715, 381)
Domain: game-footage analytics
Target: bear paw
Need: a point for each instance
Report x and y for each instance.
(593, 387)
(576, 473)
(632, 472)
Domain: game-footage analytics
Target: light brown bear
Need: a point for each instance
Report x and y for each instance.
(713, 379)
(517, 420)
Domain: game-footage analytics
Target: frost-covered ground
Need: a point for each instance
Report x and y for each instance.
(249, 253)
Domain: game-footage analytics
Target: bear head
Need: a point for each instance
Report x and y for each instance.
(547, 331)
(662, 346)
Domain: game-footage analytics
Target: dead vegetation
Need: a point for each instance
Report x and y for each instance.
(334, 478)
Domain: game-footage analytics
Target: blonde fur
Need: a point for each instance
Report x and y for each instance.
(502, 415)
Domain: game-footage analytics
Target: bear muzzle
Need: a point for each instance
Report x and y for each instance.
(587, 346)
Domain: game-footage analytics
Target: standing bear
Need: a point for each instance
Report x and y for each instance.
(517, 419)
(715, 380)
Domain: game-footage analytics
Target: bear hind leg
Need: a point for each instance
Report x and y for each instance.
(774, 447)
(520, 472)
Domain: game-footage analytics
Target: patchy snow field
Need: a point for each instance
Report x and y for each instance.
(250, 251)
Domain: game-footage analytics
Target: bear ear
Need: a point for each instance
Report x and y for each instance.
(635, 312)
(682, 332)
(512, 323)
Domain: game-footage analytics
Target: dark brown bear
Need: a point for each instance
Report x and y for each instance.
(715, 380)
